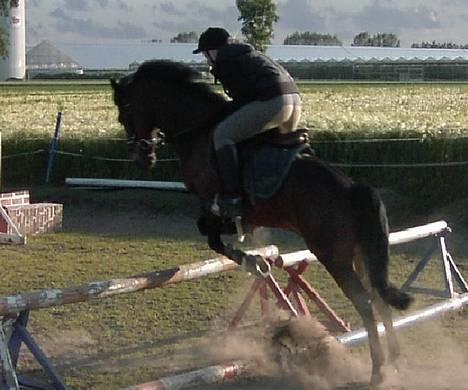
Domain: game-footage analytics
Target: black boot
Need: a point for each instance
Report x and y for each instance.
(230, 201)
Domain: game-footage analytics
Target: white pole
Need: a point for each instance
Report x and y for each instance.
(395, 238)
(204, 376)
(219, 374)
(114, 183)
(13, 66)
(360, 335)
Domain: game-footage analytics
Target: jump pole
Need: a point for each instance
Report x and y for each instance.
(97, 290)
(204, 376)
(15, 309)
(301, 259)
(236, 369)
(116, 183)
(395, 238)
(358, 336)
(22, 303)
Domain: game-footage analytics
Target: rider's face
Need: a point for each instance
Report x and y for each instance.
(210, 56)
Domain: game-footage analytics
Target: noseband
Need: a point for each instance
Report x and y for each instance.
(147, 144)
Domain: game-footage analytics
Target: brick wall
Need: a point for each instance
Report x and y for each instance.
(37, 217)
(30, 218)
(14, 198)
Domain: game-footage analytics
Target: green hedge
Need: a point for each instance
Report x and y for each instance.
(427, 185)
(25, 162)
(433, 185)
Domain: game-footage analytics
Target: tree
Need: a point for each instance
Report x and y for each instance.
(257, 18)
(5, 6)
(438, 45)
(312, 38)
(185, 37)
(379, 39)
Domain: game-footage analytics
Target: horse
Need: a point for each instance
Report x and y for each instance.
(343, 222)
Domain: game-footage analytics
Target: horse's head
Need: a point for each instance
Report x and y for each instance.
(164, 96)
(142, 136)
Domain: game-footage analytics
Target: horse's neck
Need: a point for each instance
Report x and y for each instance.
(195, 153)
(189, 119)
(185, 110)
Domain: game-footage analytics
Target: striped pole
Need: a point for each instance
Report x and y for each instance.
(103, 289)
(204, 376)
(224, 372)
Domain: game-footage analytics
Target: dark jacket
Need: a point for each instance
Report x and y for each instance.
(249, 75)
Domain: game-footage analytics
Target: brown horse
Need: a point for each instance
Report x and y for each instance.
(342, 222)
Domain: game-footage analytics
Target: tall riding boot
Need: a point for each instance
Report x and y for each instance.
(230, 201)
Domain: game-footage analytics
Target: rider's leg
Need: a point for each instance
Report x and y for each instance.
(249, 120)
(230, 202)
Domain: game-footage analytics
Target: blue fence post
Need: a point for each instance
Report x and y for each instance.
(53, 146)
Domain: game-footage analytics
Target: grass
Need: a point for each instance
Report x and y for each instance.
(433, 116)
(115, 342)
(424, 109)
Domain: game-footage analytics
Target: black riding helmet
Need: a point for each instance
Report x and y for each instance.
(212, 38)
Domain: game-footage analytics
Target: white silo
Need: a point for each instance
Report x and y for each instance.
(13, 66)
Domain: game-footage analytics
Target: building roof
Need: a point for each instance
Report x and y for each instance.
(364, 54)
(46, 56)
(119, 56)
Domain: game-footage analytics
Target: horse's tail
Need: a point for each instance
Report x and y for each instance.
(372, 236)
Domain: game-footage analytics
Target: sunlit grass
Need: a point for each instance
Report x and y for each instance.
(426, 110)
(88, 110)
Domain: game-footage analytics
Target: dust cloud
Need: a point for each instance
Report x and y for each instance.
(299, 354)
(432, 359)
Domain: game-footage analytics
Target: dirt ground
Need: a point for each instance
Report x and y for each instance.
(431, 358)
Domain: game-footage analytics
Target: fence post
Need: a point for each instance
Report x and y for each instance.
(53, 146)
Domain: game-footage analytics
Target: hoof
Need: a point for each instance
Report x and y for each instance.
(386, 380)
(376, 382)
(257, 265)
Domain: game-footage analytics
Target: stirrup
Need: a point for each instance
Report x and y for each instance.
(220, 211)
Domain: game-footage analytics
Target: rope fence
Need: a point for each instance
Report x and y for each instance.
(446, 164)
(53, 151)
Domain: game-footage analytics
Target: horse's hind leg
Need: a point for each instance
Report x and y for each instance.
(385, 313)
(348, 280)
(382, 308)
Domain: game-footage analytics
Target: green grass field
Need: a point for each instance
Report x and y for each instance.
(120, 341)
(424, 109)
(115, 342)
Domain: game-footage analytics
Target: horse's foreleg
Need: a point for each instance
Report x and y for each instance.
(211, 227)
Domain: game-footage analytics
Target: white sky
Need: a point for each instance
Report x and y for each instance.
(85, 21)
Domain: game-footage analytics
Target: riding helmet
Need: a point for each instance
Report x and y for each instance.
(212, 38)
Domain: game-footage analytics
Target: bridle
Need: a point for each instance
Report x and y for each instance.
(142, 144)
(146, 144)
(152, 143)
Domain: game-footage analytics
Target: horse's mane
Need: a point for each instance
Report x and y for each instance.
(176, 74)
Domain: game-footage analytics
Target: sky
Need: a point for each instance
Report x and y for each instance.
(106, 21)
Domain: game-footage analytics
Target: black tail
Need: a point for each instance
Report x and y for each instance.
(372, 237)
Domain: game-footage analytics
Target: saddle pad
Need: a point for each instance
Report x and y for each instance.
(266, 169)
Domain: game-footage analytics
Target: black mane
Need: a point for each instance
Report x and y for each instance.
(166, 70)
(177, 74)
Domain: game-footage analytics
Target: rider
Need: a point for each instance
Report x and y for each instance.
(264, 96)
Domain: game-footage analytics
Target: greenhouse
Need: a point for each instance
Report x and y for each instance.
(303, 62)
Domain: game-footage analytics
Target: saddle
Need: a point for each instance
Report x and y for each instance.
(274, 137)
(265, 161)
